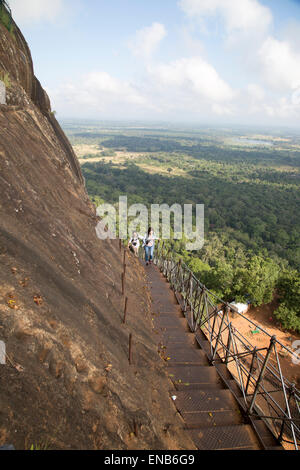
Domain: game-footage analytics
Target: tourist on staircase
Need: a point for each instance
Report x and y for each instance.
(148, 245)
(134, 243)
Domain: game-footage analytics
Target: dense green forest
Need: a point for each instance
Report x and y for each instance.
(261, 216)
(250, 189)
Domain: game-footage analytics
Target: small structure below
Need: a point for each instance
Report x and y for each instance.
(241, 308)
(2, 93)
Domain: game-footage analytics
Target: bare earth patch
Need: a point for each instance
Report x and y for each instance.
(85, 149)
(263, 316)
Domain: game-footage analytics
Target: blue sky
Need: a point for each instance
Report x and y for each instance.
(205, 61)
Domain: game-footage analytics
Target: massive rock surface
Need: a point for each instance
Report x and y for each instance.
(67, 383)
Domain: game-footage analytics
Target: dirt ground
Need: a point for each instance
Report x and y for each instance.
(263, 316)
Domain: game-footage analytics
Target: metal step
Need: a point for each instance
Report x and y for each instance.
(278, 447)
(170, 321)
(164, 298)
(209, 401)
(161, 307)
(203, 343)
(185, 355)
(265, 436)
(234, 388)
(237, 437)
(223, 371)
(204, 419)
(195, 375)
(192, 386)
(179, 300)
(172, 310)
(195, 378)
(177, 337)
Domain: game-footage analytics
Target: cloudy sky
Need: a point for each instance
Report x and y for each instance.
(204, 61)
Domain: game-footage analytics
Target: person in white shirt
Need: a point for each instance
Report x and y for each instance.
(134, 243)
(149, 243)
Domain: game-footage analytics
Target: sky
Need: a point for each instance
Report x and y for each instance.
(198, 61)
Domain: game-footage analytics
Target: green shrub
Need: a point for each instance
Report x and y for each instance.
(6, 19)
(4, 77)
(288, 317)
(289, 291)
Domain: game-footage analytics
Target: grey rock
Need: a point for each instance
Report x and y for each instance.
(2, 352)
(2, 93)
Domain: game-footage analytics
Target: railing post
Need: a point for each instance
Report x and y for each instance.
(215, 318)
(187, 293)
(251, 369)
(169, 264)
(228, 344)
(203, 300)
(177, 275)
(157, 253)
(165, 271)
(291, 393)
(191, 299)
(262, 373)
(220, 332)
(125, 310)
(161, 256)
(195, 314)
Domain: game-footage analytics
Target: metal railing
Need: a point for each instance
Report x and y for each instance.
(257, 371)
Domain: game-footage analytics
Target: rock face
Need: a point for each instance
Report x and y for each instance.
(67, 383)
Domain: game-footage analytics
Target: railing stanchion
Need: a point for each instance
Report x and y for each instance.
(251, 369)
(291, 393)
(228, 344)
(219, 334)
(262, 373)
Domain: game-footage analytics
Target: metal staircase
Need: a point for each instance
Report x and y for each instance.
(230, 394)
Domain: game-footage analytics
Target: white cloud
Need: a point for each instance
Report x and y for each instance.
(193, 45)
(283, 109)
(265, 104)
(186, 89)
(272, 65)
(193, 75)
(147, 40)
(255, 92)
(240, 16)
(280, 65)
(190, 86)
(101, 83)
(96, 93)
(290, 33)
(29, 11)
(220, 110)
